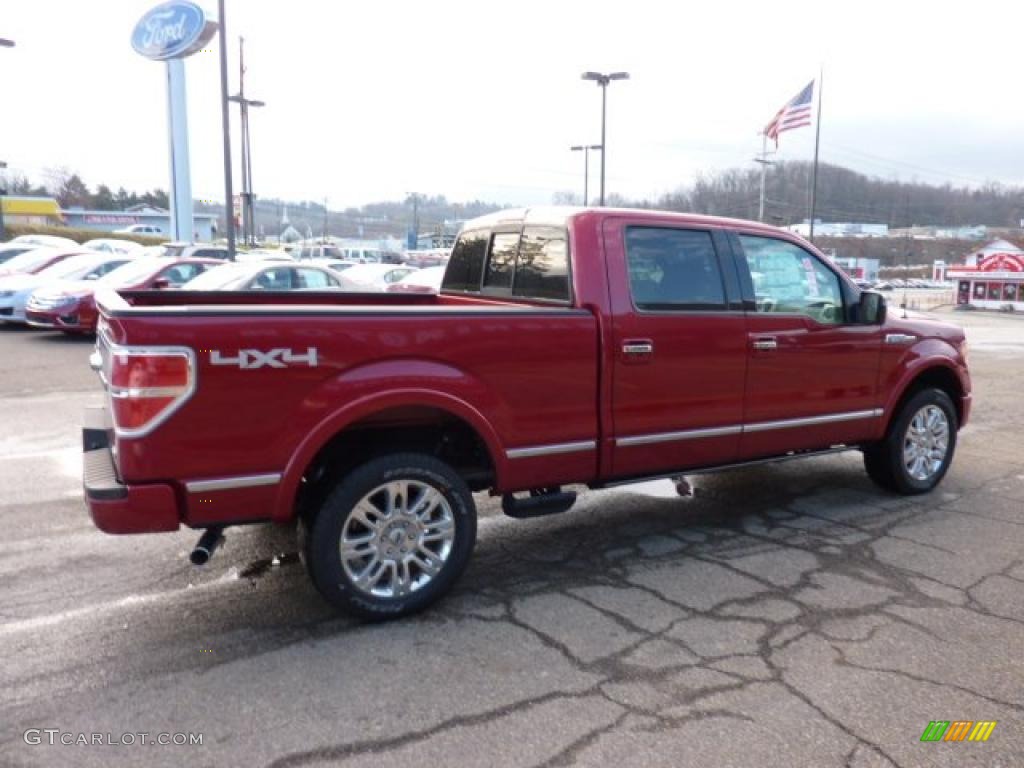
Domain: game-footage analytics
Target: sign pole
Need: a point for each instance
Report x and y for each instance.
(182, 227)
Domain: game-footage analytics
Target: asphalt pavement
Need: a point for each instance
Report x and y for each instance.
(790, 615)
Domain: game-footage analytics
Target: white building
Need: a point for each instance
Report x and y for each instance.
(991, 277)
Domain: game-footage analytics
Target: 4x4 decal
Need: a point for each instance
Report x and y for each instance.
(248, 359)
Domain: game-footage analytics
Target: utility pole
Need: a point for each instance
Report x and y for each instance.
(4, 43)
(765, 162)
(248, 211)
(415, 222)
(244, 120)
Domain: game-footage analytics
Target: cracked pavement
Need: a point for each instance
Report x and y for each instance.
(788, 615)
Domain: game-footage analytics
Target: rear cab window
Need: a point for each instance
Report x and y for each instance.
(531, 263)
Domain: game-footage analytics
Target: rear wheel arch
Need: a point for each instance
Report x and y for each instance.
(434, 424)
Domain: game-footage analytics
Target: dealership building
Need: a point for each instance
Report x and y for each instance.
(204, 225)
(991, 277)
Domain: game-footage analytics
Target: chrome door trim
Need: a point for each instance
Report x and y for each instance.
(810, 421)
(231, 483)
(552, 449)
(761, 426)
(670, 437)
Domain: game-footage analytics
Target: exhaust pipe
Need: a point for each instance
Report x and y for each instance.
(211, 539)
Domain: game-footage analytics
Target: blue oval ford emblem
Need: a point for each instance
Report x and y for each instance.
(172, 30)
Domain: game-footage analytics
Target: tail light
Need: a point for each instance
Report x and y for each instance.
(146, 385)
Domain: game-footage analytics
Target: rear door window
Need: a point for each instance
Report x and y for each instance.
(314, 279)
(673, 269)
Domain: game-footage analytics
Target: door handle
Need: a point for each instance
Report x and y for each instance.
(638, 348)
(765, 344)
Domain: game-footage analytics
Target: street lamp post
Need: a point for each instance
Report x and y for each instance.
(585, 148)
(603, 80)
(4, 43)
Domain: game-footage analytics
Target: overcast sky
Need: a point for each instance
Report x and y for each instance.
(372, 100)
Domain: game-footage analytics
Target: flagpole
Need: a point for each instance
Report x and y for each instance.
(817, 140)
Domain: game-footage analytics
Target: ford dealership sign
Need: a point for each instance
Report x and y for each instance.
(172, 30)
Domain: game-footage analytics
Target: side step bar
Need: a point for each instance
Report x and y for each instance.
(538, 503)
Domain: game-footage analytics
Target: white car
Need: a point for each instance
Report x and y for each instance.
(16, 289)
(265, 276)
(139, 229)
(49, 241)
(194, 251)
(112, 245)
(373, 278)
(263, 254)
(9, 250)
(427, 280)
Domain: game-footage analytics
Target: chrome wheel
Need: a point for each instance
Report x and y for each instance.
(926, 443)
(397, 538)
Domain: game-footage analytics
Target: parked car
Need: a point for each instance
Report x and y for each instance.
(70, 305)
(195, 251)
(309, 251)
(264, 276)
(9, 250)
(421, 281)
(337, 265)
(657, 345)
(112, 245)
(373, 278)
(50, 241)
(139, 229)
(15, 289)
(263, 254)
(38, 259)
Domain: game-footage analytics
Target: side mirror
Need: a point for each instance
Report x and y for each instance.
(871, 309)
(161, 283)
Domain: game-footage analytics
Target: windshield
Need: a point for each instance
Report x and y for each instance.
(74, 267)
(132, 272)
(218, 277)
(9, 253)
(26, 262)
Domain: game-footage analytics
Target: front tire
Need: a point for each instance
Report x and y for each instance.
(918, 448)
(392, 537)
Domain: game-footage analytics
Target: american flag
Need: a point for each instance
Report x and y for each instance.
(795, 114)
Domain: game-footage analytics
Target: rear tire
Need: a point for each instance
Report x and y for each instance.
(392, 537)
(918, 447)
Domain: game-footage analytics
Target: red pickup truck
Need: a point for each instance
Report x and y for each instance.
(567, 346)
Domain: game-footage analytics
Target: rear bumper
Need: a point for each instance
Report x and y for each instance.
(114, 506)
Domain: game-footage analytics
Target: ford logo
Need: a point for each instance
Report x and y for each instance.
(172, 30)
